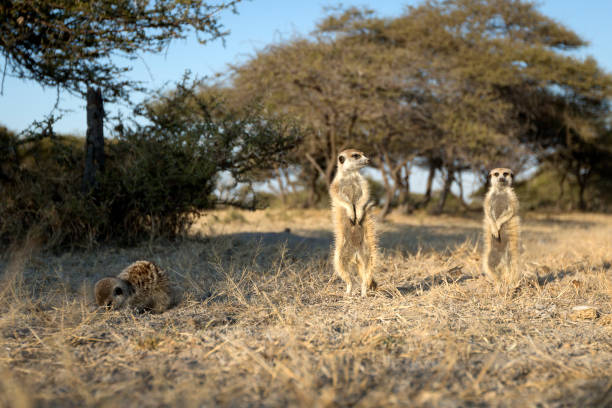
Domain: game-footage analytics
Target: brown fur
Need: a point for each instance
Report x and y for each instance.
(501, 226)
(355, 245)
(141, 286)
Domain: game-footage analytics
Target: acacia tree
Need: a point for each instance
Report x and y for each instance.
(574, 139)
(76, 45)
(425, 106)
(491, 68)
(454, 85)
(393, 93)
(338, 90)
(307, 80)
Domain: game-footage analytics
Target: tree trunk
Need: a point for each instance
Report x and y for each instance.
(390, 175)
(444, 193)
(404, 200)
(582, 178)
(313, 194)
(389, 192)
(459, 181)
(281, 186)
(94, 143)
(330, 172)
(561, 191)
(581, 202)
(428, 189)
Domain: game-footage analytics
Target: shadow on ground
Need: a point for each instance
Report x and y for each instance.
(546, 275)
(454, 275)
(408, 239)
(564, 223)
(266, 247)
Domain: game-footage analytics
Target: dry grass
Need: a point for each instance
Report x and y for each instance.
(265, 323)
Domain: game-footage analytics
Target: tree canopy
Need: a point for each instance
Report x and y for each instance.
(78, 44)
(453, 85)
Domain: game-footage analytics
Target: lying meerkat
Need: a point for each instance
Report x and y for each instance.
(141, 286)
(354, 227)
(501, 225)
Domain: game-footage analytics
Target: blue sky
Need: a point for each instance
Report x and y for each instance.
(261, 22)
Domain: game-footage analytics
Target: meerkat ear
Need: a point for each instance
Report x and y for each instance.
(341, 159)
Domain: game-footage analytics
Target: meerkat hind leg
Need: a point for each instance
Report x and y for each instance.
(365, 273)
(493, 257)
(342, 271)
(512, 254)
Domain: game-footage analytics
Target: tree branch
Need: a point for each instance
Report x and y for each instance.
(315, 165)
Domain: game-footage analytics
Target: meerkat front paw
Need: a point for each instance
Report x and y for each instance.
(359, 215)
(367, 206)
(494, 231)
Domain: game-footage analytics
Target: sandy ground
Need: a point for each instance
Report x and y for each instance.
(264, 322)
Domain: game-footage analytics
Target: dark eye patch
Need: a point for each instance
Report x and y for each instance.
(356, 155)
(341, 159)
(506, 174)
(118, 291)
(496, 174)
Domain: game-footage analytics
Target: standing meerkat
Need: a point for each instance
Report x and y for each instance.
(141, 286)
(355, 237)
(501, 225)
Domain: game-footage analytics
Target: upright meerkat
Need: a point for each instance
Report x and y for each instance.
(141, 286)
(355, 237)
(501, 225)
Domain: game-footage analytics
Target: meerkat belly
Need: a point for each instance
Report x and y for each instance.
(354, 245)
(354, 235)
(352, 191)
(499, 203)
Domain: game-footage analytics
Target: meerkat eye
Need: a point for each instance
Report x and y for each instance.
(496, 174)
(505, 174)
(356, 155)
(341, 159)
(117, 292)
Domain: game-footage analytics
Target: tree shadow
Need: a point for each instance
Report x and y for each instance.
(550, 276)
(410, 239)
(551, 221)
(263, 250)
(406, 238)
(452, 276)
(312, 243)
(553, 276)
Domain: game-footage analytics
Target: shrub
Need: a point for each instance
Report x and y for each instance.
(42, 198)
(158, 176)
(547, 190)
(154, 187)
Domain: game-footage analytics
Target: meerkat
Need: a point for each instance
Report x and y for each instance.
(354, 227)
(501, 225)
(141, 286)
